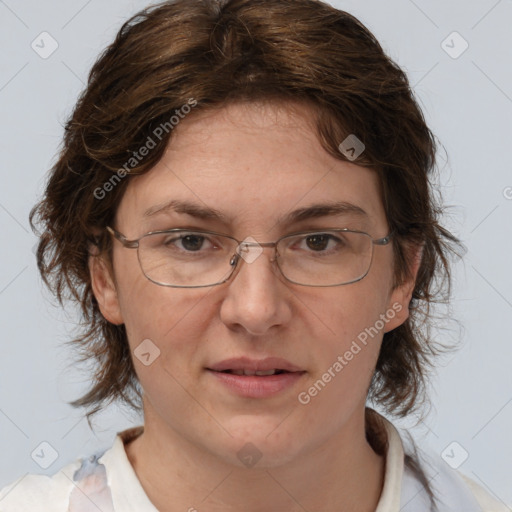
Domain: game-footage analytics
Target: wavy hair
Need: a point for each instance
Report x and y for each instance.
(221, 51)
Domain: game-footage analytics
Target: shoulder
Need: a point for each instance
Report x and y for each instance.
(89, 483)
(485, 500)
(450, 489)
(39, 493)
(57, 493)
(423, 477)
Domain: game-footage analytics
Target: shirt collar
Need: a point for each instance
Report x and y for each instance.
(128, 493)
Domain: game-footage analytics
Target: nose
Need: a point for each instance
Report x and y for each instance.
(257, 297)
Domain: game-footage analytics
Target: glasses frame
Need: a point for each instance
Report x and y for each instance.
(135, 244)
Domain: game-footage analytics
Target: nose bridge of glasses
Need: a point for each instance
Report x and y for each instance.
(249, 242)
(246, 244)
(244, 251)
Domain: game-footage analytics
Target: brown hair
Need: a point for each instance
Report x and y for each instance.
(211, 53)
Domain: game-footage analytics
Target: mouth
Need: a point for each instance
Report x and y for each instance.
(251, 378)
(260, 367)
(259, 373)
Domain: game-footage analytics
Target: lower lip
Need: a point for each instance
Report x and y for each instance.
(253, 386)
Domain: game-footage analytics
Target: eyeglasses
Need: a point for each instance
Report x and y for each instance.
(182, 258)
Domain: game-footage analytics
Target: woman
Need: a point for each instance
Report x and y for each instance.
(242, 209)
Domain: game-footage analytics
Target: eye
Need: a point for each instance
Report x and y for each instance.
(319, 242)
(192, 242)
(189, 242)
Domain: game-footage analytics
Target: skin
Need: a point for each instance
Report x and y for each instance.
(254, 163)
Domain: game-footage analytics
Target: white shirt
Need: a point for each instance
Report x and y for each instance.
(107, 482)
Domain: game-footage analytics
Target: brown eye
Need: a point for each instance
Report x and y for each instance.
(318, 242)
(189, 242)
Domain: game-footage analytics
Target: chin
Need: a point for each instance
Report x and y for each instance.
(261, 442)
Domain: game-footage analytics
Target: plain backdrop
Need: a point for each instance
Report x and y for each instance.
(458, 57)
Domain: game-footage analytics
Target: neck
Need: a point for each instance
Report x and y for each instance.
(177, 475)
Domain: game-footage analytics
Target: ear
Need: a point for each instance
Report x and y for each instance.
(401, 295)
(104, 289)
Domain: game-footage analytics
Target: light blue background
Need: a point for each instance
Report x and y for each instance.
(467, 102)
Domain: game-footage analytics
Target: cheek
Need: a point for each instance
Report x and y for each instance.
(171, 318)
(342, 315)
(347, 326)
(164, 328)
(345, 349)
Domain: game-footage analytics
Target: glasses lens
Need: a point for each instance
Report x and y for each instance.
(186, 258)
(325, 258)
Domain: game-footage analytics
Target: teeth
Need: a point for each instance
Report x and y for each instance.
(266, 372)
(250, 372)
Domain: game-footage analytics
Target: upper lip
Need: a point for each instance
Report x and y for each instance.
(255, 365)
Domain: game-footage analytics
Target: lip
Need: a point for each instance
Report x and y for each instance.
(255, 365)
(254, 386)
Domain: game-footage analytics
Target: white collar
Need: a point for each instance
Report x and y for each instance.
(401, 485)
(128, 493)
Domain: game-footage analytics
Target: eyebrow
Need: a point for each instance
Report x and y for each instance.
(186, 207)
(323, 210)
(301, 214)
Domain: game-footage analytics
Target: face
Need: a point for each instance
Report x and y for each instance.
(253, 164)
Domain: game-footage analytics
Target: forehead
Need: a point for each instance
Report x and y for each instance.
(251, 164)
